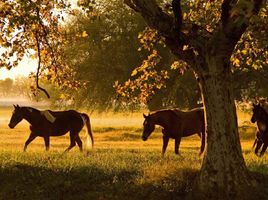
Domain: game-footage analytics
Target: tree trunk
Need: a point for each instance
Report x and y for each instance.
(223, 173)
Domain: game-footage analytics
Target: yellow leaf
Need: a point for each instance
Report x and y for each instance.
(244, 52)
(134, 72)
(185, 47)
(236, 62)
(84, 34)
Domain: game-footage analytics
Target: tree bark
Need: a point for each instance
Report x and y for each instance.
(223, 174)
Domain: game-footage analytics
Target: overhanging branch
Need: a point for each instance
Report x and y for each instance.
(39, 66)
(166, 25)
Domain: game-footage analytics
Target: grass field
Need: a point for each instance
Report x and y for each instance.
(121, 166)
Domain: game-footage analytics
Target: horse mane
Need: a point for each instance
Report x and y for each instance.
(261, 108)
(31, 109)
(176, 110)
(162, 110)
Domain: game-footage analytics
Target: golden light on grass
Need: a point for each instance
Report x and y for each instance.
(121, 163)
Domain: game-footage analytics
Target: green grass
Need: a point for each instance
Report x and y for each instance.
(121, 166)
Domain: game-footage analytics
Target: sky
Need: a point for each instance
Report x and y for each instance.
(25, 67)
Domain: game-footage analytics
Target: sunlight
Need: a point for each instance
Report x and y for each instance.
(24, 69)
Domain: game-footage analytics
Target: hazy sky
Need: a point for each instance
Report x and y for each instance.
(25, 67)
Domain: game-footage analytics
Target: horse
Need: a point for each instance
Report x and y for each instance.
(50, 123)
(261, 117)
(175, 124)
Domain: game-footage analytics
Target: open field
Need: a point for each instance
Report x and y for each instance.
(121, 166)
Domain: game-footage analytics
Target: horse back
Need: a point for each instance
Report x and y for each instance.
(192, 121)
(65, 121)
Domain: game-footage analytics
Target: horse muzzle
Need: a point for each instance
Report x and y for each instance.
(144, 138)
(11, 126)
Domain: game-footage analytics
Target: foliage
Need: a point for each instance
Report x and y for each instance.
(147, 78)
(249, 61)
(34, 29)
(104, 54)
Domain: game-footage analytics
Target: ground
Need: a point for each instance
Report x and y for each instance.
(121, 165)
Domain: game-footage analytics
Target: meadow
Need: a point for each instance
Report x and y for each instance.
(121, 165)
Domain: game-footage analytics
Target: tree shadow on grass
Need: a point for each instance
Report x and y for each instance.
(21, 181)
(25, 182)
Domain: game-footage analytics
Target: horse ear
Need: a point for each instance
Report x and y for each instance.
(18, 106)
(144, 116)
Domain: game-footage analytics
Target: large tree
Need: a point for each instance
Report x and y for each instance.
(208, 50)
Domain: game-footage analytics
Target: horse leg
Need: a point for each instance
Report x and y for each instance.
(46, 139)
(79, 143)
(259, 144)
(264, 147)
(29, 140)
(165, 144)
(255, 142)
(72, 142)
(177, 145)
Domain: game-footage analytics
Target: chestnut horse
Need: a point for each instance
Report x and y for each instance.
(176, 124)
(261, 117)
(49, 123)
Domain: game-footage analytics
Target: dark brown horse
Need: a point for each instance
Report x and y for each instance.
(261, 117)
(176, 124)
(48, 123)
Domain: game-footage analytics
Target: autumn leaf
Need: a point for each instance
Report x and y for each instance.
(84, 34)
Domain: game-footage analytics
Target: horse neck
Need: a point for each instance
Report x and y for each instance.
(159, 118)
(31, 117)
(265, 117)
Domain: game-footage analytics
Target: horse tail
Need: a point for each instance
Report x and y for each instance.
(86, 120)
(203, 140)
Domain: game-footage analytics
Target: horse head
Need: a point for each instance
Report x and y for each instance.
(148, 127)
(259, 113)
(16, 117)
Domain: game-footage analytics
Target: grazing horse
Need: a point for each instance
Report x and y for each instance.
(49, 123)
(176, 124)
(261, 117)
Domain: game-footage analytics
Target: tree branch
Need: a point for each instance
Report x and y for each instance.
(234, 24)
(176, 7)
(39, 66)
(166, 26)
(131, 5)
(225, 11)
